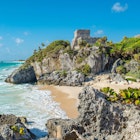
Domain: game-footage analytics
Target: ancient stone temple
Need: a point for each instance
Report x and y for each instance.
(82, 35)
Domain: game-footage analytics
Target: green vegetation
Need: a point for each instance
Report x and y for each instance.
(127, 48)
(63, 73)
(51, 50)
(126, 96)
(85, 69)
(80, 59)
(134, 75)
(111, 94)
(17, 129)
(131, 79)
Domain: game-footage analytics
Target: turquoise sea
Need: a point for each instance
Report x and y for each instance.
(26, 100)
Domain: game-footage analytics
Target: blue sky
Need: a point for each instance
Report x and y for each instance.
(25, 24)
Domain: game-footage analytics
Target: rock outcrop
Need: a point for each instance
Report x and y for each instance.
(22, 75)
(11, 128)
(99, 119)
(133, 66)
(64, 62)
(70, 78)
(63, 129)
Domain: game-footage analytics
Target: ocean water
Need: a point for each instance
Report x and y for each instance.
(26, 100)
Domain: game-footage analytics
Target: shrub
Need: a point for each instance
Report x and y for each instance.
(131, 79)
(17, 129)
(52, 49)
(85, 69)
(63, 73)
(126, 96)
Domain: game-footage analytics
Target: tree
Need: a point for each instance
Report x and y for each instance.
(42, 44)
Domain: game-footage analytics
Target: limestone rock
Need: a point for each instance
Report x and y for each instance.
(70, 78)
(64, 129)
(8, 133)
(9, 119)
(132, 66)
(97, 62)
(26, 75)
(99, 119)
(117, 78)
(66, 62)
(117, 63)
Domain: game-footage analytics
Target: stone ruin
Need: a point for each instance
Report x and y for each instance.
(82, 35)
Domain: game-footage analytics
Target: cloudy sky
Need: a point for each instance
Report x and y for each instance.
(25, 24)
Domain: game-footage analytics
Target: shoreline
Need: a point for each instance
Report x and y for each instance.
(66, 96)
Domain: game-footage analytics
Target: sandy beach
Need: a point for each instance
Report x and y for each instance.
(68, 96)
(104, 82)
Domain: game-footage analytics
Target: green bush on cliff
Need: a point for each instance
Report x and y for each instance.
(134, 75)
(126, 48)
(63, 73)
(85, 69)
(52, 49)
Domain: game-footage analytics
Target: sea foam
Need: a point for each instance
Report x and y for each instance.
(26, 100)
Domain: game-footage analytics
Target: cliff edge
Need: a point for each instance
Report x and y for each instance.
(59, 61)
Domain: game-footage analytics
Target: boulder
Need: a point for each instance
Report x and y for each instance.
(99, 119)
(22, 75)
(11, 128)
(64, 129)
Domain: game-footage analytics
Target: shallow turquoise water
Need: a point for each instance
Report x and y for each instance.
(26, 100)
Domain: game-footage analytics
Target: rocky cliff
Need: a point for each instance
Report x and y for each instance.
(59, 58)
(99, 119)
(88, 59)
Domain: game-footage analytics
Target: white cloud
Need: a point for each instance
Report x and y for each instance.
(1, 37)
(19, 41)
(99, 32)
(117, 7)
